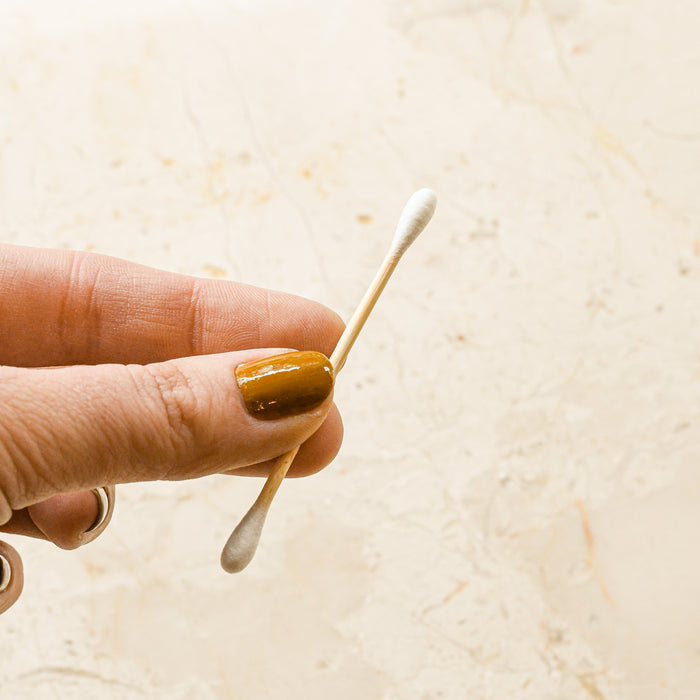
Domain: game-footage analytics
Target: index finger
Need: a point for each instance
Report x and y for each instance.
(67, 307)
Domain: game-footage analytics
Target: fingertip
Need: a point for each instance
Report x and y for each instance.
(303, 323)
(336, 327)
(314, 454)
(74, 519)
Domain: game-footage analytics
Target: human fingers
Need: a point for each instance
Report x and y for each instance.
(63, 307)
(314, 454)
(73, 519)
(74, 428)
(68, 520)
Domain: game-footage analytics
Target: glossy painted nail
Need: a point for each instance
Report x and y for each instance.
(285, 385)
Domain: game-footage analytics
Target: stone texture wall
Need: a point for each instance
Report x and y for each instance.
(516, 508)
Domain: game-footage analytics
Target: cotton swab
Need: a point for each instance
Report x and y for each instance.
(241, 545)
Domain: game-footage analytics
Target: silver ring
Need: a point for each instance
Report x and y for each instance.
(5, 573)
(102, 507)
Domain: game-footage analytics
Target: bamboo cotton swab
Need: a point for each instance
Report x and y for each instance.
(241, 545)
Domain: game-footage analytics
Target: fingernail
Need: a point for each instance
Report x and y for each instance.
(285, 385)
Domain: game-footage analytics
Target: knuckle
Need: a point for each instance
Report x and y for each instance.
(80, 300)
(177, 404)
(194, 321)
(25, 445)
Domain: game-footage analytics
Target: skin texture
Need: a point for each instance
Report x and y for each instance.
(111, 370)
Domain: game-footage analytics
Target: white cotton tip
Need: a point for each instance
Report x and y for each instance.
(414, 218)
(240, 547)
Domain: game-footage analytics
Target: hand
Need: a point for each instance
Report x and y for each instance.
(114, 372)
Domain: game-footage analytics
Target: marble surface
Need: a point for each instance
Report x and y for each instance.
(515, 512)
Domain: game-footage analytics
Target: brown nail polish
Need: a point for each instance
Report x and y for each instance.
(285, 385)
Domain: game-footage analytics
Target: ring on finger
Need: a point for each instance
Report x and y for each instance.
(5, 573)
(102, 507)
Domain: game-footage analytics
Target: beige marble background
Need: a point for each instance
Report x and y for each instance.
(516, 509)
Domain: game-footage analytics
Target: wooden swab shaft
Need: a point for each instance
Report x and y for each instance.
(364, 308)
(241, 545)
